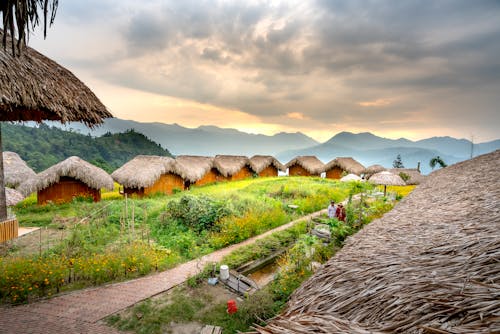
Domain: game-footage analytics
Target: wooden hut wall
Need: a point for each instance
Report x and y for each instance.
(297, 170)
(210, 177)
(243, 173)
(166, 184)
(334, 173)
(65, 190)
(269, 171)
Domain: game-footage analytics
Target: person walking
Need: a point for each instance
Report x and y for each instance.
(340, 213)
(332, 210)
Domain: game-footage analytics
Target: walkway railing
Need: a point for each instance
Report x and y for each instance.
(8, 229)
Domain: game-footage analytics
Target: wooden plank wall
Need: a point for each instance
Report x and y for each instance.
(166, 184)
(297, 170)
(334, 173)
(65, 190)
(269, 171)
(9, 229)
(243, 173)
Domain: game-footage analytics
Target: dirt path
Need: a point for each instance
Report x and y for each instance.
(82, 311)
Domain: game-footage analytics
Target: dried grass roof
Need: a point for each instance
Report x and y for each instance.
(261, 162)
(74, 167)
(351, 177)
(228, 165)
(33, 87)
(413, 173)
(373, 169)
(13, 196)
(309, 162)
(16, 171)
(431, 265)
(193, 168)
(143, 171)
(346, 163)
(387, 178)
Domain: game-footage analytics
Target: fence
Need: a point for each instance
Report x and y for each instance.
(9, 229)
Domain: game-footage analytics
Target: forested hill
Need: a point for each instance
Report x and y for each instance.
(44, 146)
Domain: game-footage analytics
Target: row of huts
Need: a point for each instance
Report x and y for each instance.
(145, 175)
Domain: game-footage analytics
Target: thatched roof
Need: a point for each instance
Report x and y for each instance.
(16, 170)
(386, 178)
(192, 168)
(413, 173)
(373, 169)
(33, 87)
(228, 165)
(431, 265)
(74, 167)
(13, 196)
(261, 162)
(309, 162)
(351, 177)
(143, 171)
(346, 163)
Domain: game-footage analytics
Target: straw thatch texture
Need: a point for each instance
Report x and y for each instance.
(413, 173)
(431, 265)
(373, 169)
(351, 177)
(228, 165)
(143, 171)
(309, 162)
(260, 162)
(387, 179)
(35, 88)
(347, 164)
(193, 168)
(73, 167)
(16, 170)
(13, 196)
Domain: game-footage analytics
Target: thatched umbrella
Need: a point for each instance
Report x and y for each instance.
(35, 88)
(16, 170)
(13, 196)
(386, 178)
(351, 177)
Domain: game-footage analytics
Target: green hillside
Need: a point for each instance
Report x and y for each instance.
(44, 146)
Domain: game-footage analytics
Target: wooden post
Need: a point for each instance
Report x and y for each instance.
(40, 242)
(3, 199)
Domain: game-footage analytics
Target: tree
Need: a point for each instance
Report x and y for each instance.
(437, 161)
(398, 163)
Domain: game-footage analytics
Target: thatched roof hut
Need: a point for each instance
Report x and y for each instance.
(16, 170)
(428, 266)
(306, 165)
(413, 173)
(266, 165)
(337, 166)
(373, 169)
(149, 174)
(13, 196)
(68, 179)
(196, 170)
(233, 167)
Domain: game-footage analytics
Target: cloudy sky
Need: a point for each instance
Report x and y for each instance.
(394, 68)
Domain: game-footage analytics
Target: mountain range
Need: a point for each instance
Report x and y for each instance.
(365, 147)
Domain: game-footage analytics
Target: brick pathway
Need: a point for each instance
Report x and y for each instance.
(81, 311)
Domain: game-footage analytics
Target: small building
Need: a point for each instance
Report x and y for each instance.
(266, 165)
(373, 169)
(337, 166)
(197, 170)
(414, 175)
(149, 174)
(306, 165)
(233, 167)
(68, 179)
(16, 170)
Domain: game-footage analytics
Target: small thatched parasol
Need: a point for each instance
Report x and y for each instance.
(192, 168)
(13, 196)
(386, 178)
(351, 177)
(35, 88)
(143, 171)
(16, 170)
(347, 164)
(373, 169)
(74, 167)
(261, 162)
(228, 165)
(309, 162)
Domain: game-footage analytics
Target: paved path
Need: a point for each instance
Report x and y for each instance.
(81, 311)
